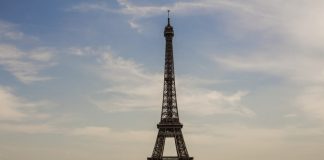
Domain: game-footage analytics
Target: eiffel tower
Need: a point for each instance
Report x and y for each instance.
(169, 126)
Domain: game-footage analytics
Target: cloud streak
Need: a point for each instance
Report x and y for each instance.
(311, 102)
(297, 22)
(303, 70)
(132, 87)
(26, 65)
(138, 12)
(8, 31)
(14, 108)
(297, 67)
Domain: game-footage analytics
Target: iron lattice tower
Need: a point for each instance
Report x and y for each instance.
(169, 126)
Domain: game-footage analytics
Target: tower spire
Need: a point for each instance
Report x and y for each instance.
(168, 30)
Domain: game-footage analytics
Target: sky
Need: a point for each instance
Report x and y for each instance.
(82, 80)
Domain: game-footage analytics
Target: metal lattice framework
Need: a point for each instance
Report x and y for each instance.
(169, 125)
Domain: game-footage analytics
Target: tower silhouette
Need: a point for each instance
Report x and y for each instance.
(169, 126)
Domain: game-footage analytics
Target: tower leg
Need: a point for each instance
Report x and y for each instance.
(159, 146)
(180, 144)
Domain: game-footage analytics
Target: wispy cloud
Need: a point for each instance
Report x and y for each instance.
(9, 106)
(84, 7)
(138, 12)
(14, 108)
(212, 102)
(110, 134)
(42, 54)
(303, 70)
(294, 21)
(297, 66)
(88, 50)
(8, 31)
(311, 102)
(295, 55)
(131, 87)
(26, 65)
(27, 128)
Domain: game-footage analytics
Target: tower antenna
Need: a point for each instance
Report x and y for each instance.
(168, 17)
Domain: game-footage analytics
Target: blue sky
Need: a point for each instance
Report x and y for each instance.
(83, 79)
